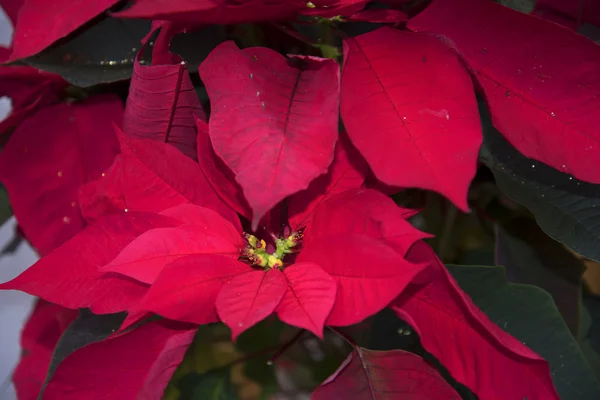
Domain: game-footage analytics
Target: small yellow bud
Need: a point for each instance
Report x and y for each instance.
(251, 239)
(310, 4)
(275, 262)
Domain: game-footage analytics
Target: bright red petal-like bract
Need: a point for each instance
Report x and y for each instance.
(273, 121)
(569, 13)
(309, 298)
(364, 212)
(162, 101)
(220, 176)
(135, 365)
(165, 178)
(347, 171)
(369, 274)
(248, 298)
(204, 233)
(215, 11)
(40, 334)
(187, 289)
(490, 362)
(70, 275)
(420, 132)
(540, 80)
(28, 90)
(43, 22)
(47, 159)
(382, 375)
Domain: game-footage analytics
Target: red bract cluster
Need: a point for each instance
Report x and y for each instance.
(266, 204)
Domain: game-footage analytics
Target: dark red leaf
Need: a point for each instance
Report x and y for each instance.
(274, 122)
(187, 289)
(165, 178)
(347, 171)
(385, 375)
(569, 13)
(70, 275)
(540, 80)
(203, 231)
(136, 365)
(365, 212)
(380, 16)
(220, 176)
(438, 308)
(215, 11)
(248, 298)
(43, 22)
(309, 298)
(161, 105)
(420, 132)
(28, 90)
(47, 159)
(369, 274)
(40, 334)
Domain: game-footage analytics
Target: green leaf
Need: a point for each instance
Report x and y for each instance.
(213, 385)
(529, 314)
(88, 328)
(531, 257)
(567, 209)
(5, 210)
(105, 51)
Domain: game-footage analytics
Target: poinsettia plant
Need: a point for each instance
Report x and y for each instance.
(267, 199)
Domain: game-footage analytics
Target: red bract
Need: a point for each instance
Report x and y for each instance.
(38, 340)
(49, 157)
(540, 80)
(273, 121)
(162, 101)
(235, 12)
(347, 171)
(422, 132)
(436, 304)
(326, 277)
(147, 358)
(43, 22)
(28, 89)
(220, 176)
(397, 374)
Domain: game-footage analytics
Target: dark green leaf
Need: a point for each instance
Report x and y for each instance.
(105, 51)
(213, 385)
(5, 210)
(567, 209)
(529, 314)
(88, 328)
(531, 257)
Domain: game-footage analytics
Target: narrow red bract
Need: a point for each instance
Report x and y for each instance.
(162, 101)
(377, 375)
(540, 80)
(569, 13)
(49, 157)
(273, 121)
(41, 22)
(508, 369)
(147, 358)
(423, 133)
